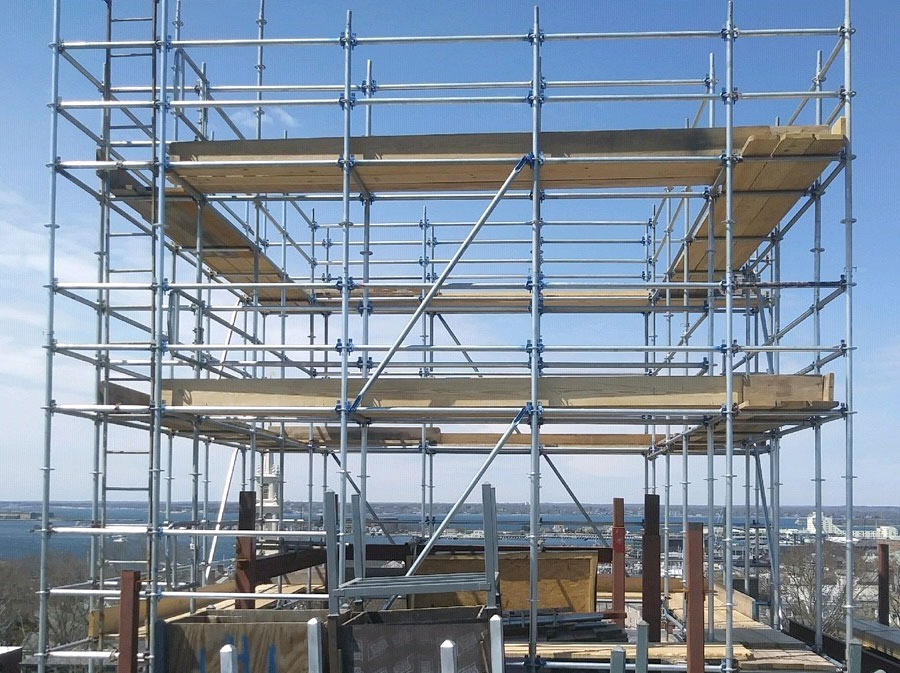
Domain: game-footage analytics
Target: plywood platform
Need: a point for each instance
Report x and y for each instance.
(227, 249)
(770, 649)
(467, 166)
(765, 191)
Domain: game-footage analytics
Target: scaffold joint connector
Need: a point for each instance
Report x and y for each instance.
(531, 37)
(344, 42)
(365, 307)
(531, 99)
(369, 87)
(339, 284)
(340, 348)
(727, 33)
(730, 97)
(368, 363)
(348, 163)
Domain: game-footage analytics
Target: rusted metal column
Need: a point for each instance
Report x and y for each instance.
(245, 551)
(884, 583)
(694, 591)
(129, 620)
(651, 598)
(618, 561)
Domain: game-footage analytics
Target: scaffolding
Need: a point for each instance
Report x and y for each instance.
(237, 333)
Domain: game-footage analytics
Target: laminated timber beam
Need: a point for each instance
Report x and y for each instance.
(751, 392)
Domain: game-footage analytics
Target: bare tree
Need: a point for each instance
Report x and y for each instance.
(894, 589)
(67, 617)
(798, 584)
(17, 603)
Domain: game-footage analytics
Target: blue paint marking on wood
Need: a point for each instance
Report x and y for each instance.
(272, 653)
(244, 655)
(202, 660)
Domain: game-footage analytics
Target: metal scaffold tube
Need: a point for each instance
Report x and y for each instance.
(848, 221)
(159, 338)
(535, 412)
(46, 463)
(347, 43)
(729, 97)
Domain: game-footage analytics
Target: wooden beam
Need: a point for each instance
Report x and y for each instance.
(884, 583)
(756, 391)
(245, 551)
(618, 560)
(129, 620)
(695, 590)
(651, 598)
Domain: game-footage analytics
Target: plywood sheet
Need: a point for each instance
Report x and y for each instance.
(262, 647)
(566, 580)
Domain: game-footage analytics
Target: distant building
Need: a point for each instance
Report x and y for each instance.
(859, 532)
(828, 525)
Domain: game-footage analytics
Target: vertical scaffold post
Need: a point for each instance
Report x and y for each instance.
(536, 98)
(158, 335)
(44, 584)
(359, 538)
(729, 98)
(347, 42)
(848, 221)
(817, 369)
(330, 523)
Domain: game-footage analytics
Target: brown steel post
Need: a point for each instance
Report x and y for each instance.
(884, 583)
(618, 561)
(651, 598)
(245, 551)
(694, 591)
(129, 619)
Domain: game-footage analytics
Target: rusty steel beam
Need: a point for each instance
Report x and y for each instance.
(245, 551)
(651, 596)
(694, 593)
(618, 560)
(129, 620)
(884, 583)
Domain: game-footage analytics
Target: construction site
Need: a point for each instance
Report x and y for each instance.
(537, 284)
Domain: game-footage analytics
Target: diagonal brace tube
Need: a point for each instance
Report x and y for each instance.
(765, 508)
(587, 517)
(525, 160)
(414, 566)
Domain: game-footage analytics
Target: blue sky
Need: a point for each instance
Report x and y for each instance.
(760, 65)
